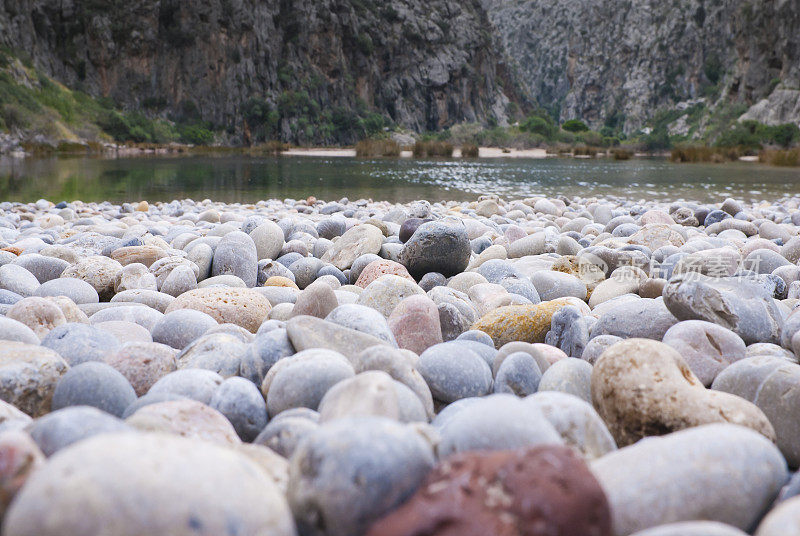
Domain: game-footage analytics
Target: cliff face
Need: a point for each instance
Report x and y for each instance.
(302, 70)
(607, 61)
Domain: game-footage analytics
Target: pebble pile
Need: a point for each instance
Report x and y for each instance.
(538, 367)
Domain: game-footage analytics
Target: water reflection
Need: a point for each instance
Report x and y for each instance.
(248, 179)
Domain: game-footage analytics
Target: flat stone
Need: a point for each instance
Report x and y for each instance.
(61, 428)
(742, 472)
(357, 241)
(707, 348)
(306, 332)
(528, 323)
(741, 305)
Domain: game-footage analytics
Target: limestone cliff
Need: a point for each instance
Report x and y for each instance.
(303, 70)
(612, 61)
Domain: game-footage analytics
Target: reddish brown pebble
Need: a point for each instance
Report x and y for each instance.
(541, 491)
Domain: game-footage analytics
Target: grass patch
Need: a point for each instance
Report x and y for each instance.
(433, 148)
(469, 150)
(704, 153)
(377, 148)
(621, 154)
(780, 157)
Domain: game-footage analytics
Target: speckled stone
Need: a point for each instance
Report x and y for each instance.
(546, 490)
(39, 314)
(244, 307)
(528, 323)
(143, 363)
(167, 477)
(353, 471)
(28, 376)
(642, 387)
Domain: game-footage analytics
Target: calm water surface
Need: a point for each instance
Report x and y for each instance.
(248, 179)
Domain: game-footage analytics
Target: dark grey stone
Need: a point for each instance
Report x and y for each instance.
(242, 404)
(94, 384)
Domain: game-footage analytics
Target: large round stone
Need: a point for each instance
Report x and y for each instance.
(77, 290)
(546, 490)
(303, 379)
(357, 241)
(94, 384)
(178, 486)
(244, 307)
(236, 255)
(437, 247)
(496, 422)
(353, 471)
(642, 388)
(143, 363)
(718, 472)
(197, 384)
(452, 371)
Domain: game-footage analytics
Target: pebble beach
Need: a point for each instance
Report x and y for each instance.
(534, 366)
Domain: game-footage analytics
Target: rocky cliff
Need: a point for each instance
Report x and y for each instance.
(620, 61)
(316, 71)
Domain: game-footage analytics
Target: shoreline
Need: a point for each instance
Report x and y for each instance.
(111, 151)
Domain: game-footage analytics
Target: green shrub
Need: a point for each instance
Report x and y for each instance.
(575, 125)
(785, 134)
(539, 125)
(196, 134)
(589, 137)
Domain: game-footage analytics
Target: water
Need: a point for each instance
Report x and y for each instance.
(248, 179)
